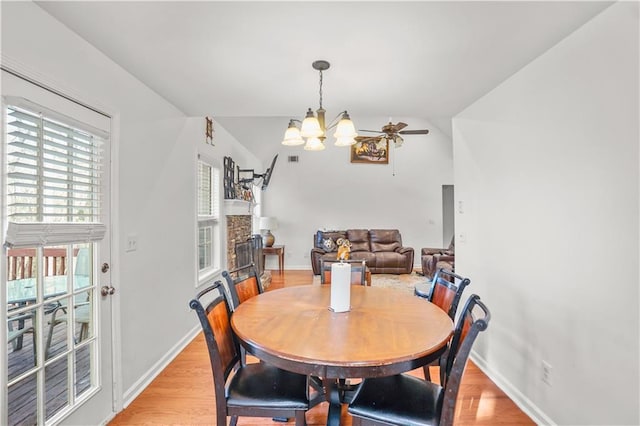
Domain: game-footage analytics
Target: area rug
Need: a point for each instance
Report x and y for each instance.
(403, 282)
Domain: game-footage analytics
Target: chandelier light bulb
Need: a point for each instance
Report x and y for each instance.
(345, 128)
(310, 126)
(314, 144)
(292, 136)
(348, 141)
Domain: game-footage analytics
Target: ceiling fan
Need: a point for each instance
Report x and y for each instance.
(390, 132)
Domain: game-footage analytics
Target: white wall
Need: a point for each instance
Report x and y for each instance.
(156, 149)
(547, 168)
(325, 190)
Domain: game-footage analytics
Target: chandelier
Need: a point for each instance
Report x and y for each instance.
(313, 128)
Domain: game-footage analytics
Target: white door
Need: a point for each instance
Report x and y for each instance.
(56, 211)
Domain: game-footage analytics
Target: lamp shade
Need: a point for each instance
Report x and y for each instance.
(268, 223)
(345, 128)
(310, 126)
(314, 144)
(345, 141)
(292, 136)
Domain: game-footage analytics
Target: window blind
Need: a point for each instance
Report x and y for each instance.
(53, 177)
(208, 190)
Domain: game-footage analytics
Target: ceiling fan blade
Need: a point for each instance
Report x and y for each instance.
(370, 131)
(414, 132)
(367, 138)
(399, 126)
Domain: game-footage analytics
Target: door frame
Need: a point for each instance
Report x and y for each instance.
(52, 85)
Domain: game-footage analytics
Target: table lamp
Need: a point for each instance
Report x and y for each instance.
(267, 224)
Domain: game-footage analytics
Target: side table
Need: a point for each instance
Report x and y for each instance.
(277, 250)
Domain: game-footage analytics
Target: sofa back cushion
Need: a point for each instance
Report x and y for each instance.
(359, 239)
(385, 240)
(321, 236)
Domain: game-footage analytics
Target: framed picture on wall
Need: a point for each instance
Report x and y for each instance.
(371, 151)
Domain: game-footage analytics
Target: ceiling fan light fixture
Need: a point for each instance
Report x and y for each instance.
(314, 144)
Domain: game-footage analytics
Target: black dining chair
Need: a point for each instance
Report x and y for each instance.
(243, 283)
(445, 291)
(408, 400)
(254, 390)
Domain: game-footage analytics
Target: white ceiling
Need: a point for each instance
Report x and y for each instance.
(248, 64)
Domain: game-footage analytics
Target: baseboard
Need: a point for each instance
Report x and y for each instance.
(141, 384)
(518, 398)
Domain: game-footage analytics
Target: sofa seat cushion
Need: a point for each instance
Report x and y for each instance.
(390, 262)
(368, 257)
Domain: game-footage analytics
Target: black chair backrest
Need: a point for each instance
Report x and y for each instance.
(446, 291)
(474, 318)
(224, 351)
(358, 268)
(243, 283)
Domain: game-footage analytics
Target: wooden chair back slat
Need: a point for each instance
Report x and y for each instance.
(224, 351)
(446, 291)
(474, 319)
(243, 283)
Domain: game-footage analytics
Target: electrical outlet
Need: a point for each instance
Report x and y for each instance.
(132, 243)
(546, 372)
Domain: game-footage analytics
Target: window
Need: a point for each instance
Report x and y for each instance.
(53, 178)
(208, 218)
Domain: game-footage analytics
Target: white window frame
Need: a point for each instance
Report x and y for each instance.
(212, 220)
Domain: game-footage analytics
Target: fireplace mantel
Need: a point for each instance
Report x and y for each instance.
(237, 208)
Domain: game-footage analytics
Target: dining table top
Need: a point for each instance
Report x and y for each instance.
(385, 332)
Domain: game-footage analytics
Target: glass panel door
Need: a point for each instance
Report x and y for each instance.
(58, 326)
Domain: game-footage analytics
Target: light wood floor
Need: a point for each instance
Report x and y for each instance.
(183, 393)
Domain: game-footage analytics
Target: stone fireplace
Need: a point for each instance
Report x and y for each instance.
(243, 248)
(238, 231)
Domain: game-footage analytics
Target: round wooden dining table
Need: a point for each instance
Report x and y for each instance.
(386, 332)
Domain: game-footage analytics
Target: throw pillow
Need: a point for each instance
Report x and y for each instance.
(328, 245)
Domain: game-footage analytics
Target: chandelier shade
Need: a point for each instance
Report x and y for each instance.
(292, 136)
(310, 127)
(313, 127)
(314, 144)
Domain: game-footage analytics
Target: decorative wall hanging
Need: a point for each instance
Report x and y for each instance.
(370, 151)
(209, 130)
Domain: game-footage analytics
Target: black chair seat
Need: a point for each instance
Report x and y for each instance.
(263, 386)
(399, 400)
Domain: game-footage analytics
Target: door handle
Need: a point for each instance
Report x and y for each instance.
(107, 290)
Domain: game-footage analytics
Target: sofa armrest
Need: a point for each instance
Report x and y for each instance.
(316, 255)
(318, 250)
(403, 250)
(445, 258)
(432, 250)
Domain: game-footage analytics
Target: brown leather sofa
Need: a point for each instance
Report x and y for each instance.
(433, 259)
(381, 249)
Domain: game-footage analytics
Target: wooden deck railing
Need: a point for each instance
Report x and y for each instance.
(21, 263)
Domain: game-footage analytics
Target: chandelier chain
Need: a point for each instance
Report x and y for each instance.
(320, 89)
